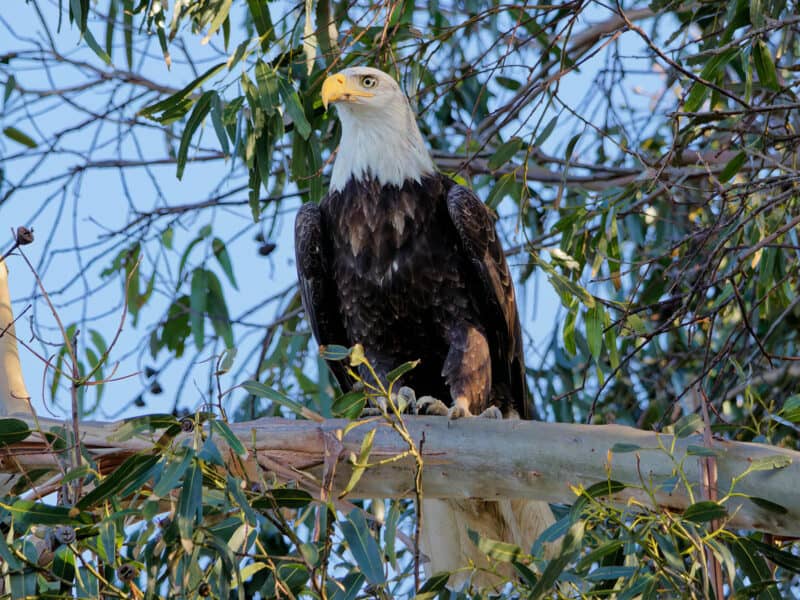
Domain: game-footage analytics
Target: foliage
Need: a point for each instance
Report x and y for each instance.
(646, 156)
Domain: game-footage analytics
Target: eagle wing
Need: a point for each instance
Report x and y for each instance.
(317, 287)
(495, 293)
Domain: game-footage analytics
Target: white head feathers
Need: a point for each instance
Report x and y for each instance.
(380, 136)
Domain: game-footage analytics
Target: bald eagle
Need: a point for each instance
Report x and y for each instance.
(401, 259)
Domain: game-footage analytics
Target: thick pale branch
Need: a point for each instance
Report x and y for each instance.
(484, 458)
(14, 398)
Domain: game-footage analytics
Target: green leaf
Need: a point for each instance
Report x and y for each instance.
(267, 83)
(696, 97)
(259, 10)
(504, 153)
(235, 444)
(687, 425)
(705, 510)
(346, 589)
(770, 463)
(19, 137)
(128, 28)
(495, 549)
(699, 92)
(765, 67)
(504, 186)
(13, 431)
(785, 559)
(599, 489)
(294, 108)
(397, 373)
(360, 463)
(569, 332)
(334, 352)
(190, 502)
(733, 167)
(172, 474)
(260, 390)
(132, 470)
(28, 512)
(508, 83)
(569, 550)
(622, 448)
(607, 573)
(219, 126)
(568, 290)
(349, 405)
(756, 12)
(435, 583)
(598, 554)
(754, 566)
(768, 505)
(548, 129)
(11, 84)
(64, 564)
(220, 15)
(107, 546)
(175, 100)
(218, 310)
(111, 21)
(197, 306)
(363, 547)
(227, 360)
(695, 450)
(594, 330)
(791, 409)
(201, 109)
(224, 259)
(92, 43)
(291, 498)
(390, 533)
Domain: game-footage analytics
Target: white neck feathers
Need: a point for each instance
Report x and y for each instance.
(379, 143)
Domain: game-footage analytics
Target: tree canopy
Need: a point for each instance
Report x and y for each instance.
(643, 163)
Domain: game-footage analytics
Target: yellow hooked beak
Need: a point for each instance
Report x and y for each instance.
(336, 88)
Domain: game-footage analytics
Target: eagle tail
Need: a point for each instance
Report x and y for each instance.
(446, 543)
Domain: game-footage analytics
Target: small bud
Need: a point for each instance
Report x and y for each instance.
(64, 534)
(266, 248)
(187, 424)
(204, 590)
(127, 572)
(24, 236)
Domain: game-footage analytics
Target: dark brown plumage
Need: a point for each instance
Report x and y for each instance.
(415, 272)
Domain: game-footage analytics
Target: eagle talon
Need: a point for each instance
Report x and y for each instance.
(458, 412)
(492, 413)
(406, 400)
(428, 405)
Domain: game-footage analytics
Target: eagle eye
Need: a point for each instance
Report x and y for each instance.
(368, 81)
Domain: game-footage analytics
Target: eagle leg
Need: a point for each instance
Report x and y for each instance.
(467, 371)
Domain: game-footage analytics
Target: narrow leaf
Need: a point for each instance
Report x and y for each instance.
(19, 137)
(363, 547)
(201, 109)
(705, 510)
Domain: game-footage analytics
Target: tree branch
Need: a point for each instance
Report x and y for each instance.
(480, 458)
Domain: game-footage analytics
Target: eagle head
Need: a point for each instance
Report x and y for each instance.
(380, 137)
